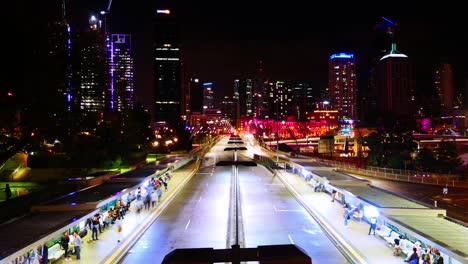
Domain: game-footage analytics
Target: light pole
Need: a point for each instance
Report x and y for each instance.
(277, 133)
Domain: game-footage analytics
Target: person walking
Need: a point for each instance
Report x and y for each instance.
(373, 225)
(64, 242)
(77, 243)
(8, 191)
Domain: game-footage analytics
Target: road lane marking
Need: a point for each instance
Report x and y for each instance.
(286, 210)
(187, 225)
(290, 239)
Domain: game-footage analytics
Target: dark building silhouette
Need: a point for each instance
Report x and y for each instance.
(167, 68)
(395, 86)
(196, 95)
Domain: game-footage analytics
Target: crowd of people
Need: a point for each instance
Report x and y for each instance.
(146, 198)
(418, 255)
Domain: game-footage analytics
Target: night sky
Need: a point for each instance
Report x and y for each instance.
(222, 40)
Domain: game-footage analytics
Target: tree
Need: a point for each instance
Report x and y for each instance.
(447, 157)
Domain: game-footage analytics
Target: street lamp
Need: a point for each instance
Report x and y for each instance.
(277, 132)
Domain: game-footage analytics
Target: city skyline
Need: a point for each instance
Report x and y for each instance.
(223, 43)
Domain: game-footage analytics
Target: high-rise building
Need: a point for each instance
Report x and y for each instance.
(196, 95)
(228, 109)
(342, 82)
(167, 68)
(279, 99)
(91, 76)
(395, 85)
(208, 96)
(445, 87)
(243, 90)
(120, 93)
(385, 35)
(59, 69)
(302, 101)
(260, 93)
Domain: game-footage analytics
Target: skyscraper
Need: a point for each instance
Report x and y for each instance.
(342, 82)
(196, 95)
(395, 85)
(208, 96)
(445, 87)
(91, 77)
(120, 93)
(167, 68)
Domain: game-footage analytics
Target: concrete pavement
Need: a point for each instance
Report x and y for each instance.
(353, 239)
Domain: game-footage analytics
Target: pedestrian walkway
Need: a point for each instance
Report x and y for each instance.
(365, 249)
(118, 237)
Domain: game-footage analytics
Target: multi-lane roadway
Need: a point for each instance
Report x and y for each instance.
(202, 214)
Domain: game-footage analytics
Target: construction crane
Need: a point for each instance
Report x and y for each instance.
(390, 27)
(104, 13)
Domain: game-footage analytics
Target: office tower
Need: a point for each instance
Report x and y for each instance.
(228, 108)
(278, 100)
(343, 85)
(208, 96)
(385, 34)
(59, 70)
(243, 91)
(302, 101)
(91, 73)
(260, 93)
(119, 98)
(167, 68)
(445, 87)
(196, 95)
(395, 85)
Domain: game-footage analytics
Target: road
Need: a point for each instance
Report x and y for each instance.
(201, 215)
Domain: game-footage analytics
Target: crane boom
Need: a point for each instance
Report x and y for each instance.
(109, 6)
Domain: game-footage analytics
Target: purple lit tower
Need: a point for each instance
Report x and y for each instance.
(120, 94)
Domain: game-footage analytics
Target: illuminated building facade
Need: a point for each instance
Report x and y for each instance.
(228, 109)
(243, 90)
(302, 101)
(167, 68)
(208, 96)
(342, 83)
(120, 95)
(91, 76)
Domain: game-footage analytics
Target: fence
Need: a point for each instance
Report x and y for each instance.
(451, 180)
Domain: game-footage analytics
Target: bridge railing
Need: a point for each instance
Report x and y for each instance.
(452, 180)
